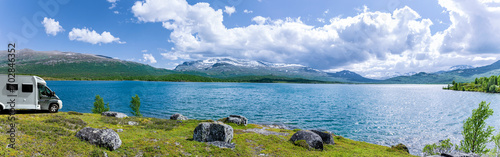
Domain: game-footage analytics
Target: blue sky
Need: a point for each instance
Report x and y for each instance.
(373, 38)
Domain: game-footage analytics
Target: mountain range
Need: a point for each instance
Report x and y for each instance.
(72, 65)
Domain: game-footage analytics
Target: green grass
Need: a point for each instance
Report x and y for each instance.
(54, 135)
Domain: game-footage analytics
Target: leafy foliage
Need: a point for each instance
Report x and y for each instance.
(135, 105)
(444, 146)
(99, 106)
(496, 140)
(475, 133)
(482, 84)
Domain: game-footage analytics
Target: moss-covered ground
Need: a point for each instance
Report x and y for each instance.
(46, 134)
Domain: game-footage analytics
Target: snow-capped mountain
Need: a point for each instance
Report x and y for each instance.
(230, 67)
(460, 67)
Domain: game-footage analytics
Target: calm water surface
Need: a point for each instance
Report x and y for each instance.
(414, 115)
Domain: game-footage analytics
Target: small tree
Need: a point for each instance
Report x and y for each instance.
(99, 106)
(475, 134)
(496, 139)
(135, 104)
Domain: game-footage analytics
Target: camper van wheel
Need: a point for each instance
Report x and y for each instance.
(53, 108)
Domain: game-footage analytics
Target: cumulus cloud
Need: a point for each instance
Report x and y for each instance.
(371, 42)
(247, 11)
(52, 26)
(229, 10)
(92, 37)
(148, 57)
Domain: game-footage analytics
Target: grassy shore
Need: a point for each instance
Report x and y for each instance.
(45, 134)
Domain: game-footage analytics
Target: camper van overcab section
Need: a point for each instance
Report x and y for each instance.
(29, 92)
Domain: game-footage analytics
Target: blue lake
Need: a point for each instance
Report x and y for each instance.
(414, 115)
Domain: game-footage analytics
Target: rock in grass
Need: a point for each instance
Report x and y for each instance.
(114, 114)
(101, 137)
(310, 138)
(119, 130)
(178, 116)
(237, 119)
(132, 123)
(326, 137)
(221, 144)
(213, 131)
(74, 113)
(401, 147)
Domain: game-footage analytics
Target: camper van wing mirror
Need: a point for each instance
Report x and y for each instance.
(52, 93)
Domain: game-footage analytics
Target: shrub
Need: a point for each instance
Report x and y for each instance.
(135, 104)
(99, 106)
(444, 146)
(496, 139)
(475, 133)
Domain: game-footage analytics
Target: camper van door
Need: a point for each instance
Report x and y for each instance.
(45, 95)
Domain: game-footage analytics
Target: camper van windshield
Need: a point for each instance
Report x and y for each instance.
(43, 90)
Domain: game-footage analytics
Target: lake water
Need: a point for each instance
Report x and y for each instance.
(414, 115)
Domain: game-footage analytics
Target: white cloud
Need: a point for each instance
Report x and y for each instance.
(52, 26)
(113, 3)
(230, 10)
(116, 12)
(144, 51)
(149, 57)
(92, 37)
(259, 20)
(247, 11)
(322, 20)
(174, 55)
(372, 43)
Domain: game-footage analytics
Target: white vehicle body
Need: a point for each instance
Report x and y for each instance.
(28, 92)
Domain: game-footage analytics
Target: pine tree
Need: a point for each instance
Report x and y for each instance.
(135, 105)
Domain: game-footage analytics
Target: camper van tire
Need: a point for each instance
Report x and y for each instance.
(53, 108)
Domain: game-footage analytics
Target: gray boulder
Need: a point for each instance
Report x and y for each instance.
(310, 138)
(326, 137)
(101, 137)
(213, 131)
(178, 116)
(221, 144)
(114, 114)
(237, 119)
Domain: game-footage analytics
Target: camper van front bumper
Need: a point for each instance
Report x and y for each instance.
(59, 102)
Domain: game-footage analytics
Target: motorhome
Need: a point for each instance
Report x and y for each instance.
(27, 92)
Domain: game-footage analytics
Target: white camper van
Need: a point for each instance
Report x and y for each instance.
(29, 92)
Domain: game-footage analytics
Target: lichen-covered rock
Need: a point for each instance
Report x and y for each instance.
(237, 119)
(178, 116)
(101, 137)
(326, 137)
(213, 131)
(312, 139)
(221, 144)
(401, 147)
(132, 123)
(114, 114)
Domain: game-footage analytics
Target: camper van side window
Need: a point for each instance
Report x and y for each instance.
(27, 88)
(11, 87)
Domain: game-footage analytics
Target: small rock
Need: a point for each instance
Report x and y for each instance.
(213, 131)
(401, 147)
(119, 130)
(312, 139)
(221, 144)
(178, 116)
(132, 123)
(326, 137)
(459, 154)
(237, 119)
(114, 114)
(101, 137)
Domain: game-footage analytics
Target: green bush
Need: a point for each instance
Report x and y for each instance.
(475, 133)
(99, 106)
(496, 150)
(135, 104)
(444, 146)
